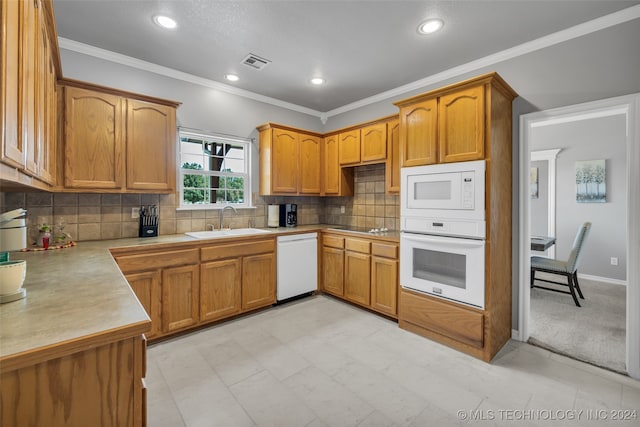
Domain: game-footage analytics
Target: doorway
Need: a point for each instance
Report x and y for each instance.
(628, 107)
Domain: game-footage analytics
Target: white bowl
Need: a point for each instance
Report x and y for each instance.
(12, 274)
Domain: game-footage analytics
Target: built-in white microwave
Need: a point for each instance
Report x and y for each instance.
(445, 199)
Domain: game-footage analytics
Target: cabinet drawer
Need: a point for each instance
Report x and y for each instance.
(449, 319)
(237, 249)
(333, 241)
(147, 261)
(357, 245)
(384, 250)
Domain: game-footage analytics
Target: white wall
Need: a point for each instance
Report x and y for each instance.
(592, 139)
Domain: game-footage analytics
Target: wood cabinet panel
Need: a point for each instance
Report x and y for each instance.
(357, 245)
(156, 260)
(418, 133)
(97, 387)
(180, 294)
(150, 148)
(94, 146)
(284, 162)
(392, 167)
(333, 270)
(333, 241)
(13, 150)
(229, 250)
(146, 286)
(384, 250)
(349, 147)
(374, 143)
(29, 74)
(452, 320)
(47, 125)
(461, 119)
(258, 281)
(310, 164)
(331, 165)
(384, 285)
(220, 289)
(357, 277)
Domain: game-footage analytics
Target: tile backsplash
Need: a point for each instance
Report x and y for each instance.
(88, 216)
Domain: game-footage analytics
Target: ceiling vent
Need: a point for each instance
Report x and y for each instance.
(254, 61)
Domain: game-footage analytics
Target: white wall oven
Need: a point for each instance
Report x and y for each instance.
(442, 241)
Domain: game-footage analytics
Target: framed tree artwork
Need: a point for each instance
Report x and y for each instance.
(591, 183)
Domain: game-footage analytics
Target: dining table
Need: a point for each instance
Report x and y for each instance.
(542, 243)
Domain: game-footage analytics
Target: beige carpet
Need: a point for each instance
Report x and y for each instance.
(594, 333)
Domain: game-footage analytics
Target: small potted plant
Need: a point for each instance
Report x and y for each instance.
(44, 238)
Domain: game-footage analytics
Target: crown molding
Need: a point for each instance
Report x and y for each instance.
(118, 58)
(576, 31)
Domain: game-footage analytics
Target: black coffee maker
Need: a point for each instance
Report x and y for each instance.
(288, 215)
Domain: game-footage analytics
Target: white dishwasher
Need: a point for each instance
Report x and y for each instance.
(297, 265)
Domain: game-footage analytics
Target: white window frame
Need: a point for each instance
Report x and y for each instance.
(205, 135)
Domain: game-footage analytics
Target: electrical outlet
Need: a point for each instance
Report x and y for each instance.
(614, 260)
(342, 210)
(135, 212)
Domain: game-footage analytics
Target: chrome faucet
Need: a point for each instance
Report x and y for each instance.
(222, 213)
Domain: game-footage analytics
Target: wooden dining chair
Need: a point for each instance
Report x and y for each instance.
(568, 268)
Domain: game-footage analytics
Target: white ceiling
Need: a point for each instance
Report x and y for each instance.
(362, 48)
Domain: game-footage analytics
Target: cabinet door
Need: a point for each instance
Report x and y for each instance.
(331, 166)
(258, 281)
(349, 147)
(284, 165)
(46, 107)
(179, 297)
(13, 150)
(374, 143)
(151, 146)
(220, 289)
(333, 270)
(392, 168)
(94, 150)
(418, 131)
(357, 277)
(461, 125)
(310, 164)
(146, 286)
(384, 285)
(29, 75)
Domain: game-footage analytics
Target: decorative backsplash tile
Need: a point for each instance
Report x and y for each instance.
(89, 216)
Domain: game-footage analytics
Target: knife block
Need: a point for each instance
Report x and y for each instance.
(147, 230)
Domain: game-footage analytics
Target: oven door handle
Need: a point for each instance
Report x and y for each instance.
(447, 241)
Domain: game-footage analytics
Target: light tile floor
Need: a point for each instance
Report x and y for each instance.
(322, 362)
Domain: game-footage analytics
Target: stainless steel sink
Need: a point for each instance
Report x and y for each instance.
(225, 233)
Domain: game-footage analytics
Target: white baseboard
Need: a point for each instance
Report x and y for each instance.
(515, 334)
(602, 279)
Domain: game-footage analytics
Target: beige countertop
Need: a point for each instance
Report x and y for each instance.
(77, 293)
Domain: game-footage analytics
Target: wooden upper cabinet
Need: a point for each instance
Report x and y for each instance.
(94, 148)
(373, 143)
(392, 168)
(150, 152)
(13, 150)
(418, 132)
(349, 147)
(47, 110)
(310, 164)
(284, 166)
(331, 166)
(29, 74)
(461, 117)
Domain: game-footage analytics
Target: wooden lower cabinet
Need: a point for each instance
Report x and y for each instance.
(220, 289)
(101, 385)
(384, 285)
(362, 271)
(146, 286)
(333, 270)
(258, 281)
(180, 296)
(357, 277)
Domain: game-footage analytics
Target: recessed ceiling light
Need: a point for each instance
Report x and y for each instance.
(165, 22)
(231, 77)
(430, 26)
(317, 81)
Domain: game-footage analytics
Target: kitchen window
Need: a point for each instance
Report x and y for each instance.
(214, 171)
